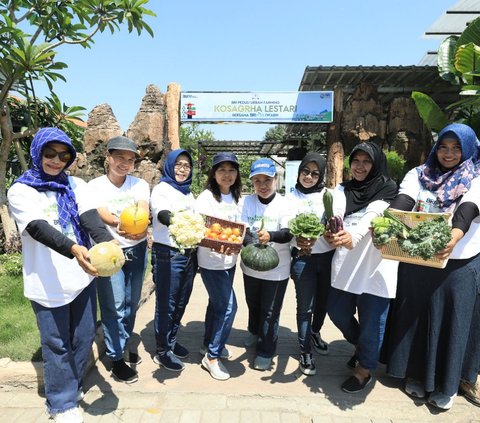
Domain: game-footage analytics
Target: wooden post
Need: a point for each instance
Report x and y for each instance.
(335, 153)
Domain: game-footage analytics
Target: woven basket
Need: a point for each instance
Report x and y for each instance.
(392, 250)
(217, 244)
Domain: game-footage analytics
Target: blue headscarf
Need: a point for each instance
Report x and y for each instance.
(42, 182)
(169, 171)
(450, 185)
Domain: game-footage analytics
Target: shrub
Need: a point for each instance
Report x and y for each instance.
(11, 264)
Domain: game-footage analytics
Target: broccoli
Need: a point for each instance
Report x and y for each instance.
(427, 238)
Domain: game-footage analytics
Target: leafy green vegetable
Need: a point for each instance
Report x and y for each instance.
(385, 229)
(306, 225)
(427, 238)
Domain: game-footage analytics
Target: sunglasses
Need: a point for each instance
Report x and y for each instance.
(50, 153)
(306, 172)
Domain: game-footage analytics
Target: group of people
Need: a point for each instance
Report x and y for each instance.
(422, 322)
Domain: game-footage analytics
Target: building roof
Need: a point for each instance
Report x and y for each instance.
(245, 148)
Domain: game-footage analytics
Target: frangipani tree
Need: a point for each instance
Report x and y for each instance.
(31, 32)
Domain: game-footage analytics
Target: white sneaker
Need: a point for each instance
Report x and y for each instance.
(250, 340)
(262, 363)
(225, 353)
(216, 368)
(441, 401)
(72, 415)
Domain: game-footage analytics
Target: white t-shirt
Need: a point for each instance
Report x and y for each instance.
(115, 199)
(362, 269)
(49, 278)
(166, 197)
(227, 209)
(425, 201)
(275, 215)
(312, 203)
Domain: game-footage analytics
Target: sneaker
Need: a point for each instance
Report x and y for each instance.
(319, 345)
(180, 351)
(414, 388)
(353, 385)
(80, 395)
(121, 372)
(225, 353)
(307, 364)
(132, 358)
(353, 362)
(441, 401)
(250, 340)
(72, 415)
(471, 392)
(170, 361)
(262, 363)
(216, 368)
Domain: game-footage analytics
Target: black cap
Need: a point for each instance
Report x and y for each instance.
(224, 157)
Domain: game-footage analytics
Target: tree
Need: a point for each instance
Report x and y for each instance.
(31, 32)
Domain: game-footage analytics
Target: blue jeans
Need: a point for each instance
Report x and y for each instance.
(311, 275)
(66, 333)
(366, 333)
(118, 297)
(173, 275)
(264, 300)
(221, 309)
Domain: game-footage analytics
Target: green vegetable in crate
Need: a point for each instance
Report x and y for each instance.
(427, 238)
(306, 225)
(402, 230)
(259, 257)
(334, 223)
(387, 228)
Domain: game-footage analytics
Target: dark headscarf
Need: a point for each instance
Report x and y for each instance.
(321, 164)
(42, 182)
(376, 186)
(450, 185)
(169, 171)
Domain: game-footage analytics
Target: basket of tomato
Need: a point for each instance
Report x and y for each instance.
(223, 233)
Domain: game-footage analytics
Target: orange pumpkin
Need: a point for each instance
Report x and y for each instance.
(107, 258)
(134, 219)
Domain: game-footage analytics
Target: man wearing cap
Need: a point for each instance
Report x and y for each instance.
(267, 214)
(119, 294)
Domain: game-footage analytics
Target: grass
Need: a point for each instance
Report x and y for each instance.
(19, 336)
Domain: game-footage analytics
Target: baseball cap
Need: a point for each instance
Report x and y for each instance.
(263, 167)
(122, 143)
(224, 157)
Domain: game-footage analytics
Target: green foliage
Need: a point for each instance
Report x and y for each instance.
(395, 166)
(306, 225)
(19, 336)
(433, 117)
(11, 264)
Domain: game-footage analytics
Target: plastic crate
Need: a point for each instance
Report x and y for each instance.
(392, 250)
(217, 244)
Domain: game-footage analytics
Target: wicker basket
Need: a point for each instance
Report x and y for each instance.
(392, 250)
(216, 244)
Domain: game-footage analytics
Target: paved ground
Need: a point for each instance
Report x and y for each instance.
(282, 395)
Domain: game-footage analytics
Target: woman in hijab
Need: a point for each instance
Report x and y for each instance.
(55, 218)
(362, 282)
(173, 270)
(311, 264)
(434, 340)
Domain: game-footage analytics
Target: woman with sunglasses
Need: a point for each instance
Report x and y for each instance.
(55, 217)
(311, 263)
(119, 294)
(173, 270)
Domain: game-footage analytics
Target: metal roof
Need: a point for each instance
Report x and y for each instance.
(245, 148)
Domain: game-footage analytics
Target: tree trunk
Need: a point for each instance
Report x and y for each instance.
(8, 224)
(334, 143)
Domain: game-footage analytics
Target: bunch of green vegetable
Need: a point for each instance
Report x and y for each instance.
(306, 225)
(427, 238)
(387, 227)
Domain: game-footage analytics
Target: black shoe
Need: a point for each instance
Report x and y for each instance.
(121, 372)
(132, 358)
(353, 385)
(169, 360)
(180, 351)
(353, 362)
(307, 364)
(319, 345)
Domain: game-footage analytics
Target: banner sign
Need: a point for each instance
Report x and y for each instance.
(261, 107)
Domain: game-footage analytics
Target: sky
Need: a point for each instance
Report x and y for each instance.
(252, 45)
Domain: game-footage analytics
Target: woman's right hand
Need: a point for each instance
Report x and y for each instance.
(339, 239)
(83, 258)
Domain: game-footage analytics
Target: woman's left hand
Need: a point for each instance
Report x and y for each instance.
(457, 235)
(263, 237)
(340, 239)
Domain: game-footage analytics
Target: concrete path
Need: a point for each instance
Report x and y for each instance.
(282, 395)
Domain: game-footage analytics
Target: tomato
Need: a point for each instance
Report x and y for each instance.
(228, 230)
(216, 227)
(223, 237)
(236, 231)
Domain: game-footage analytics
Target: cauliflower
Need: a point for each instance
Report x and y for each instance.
(187, 229)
